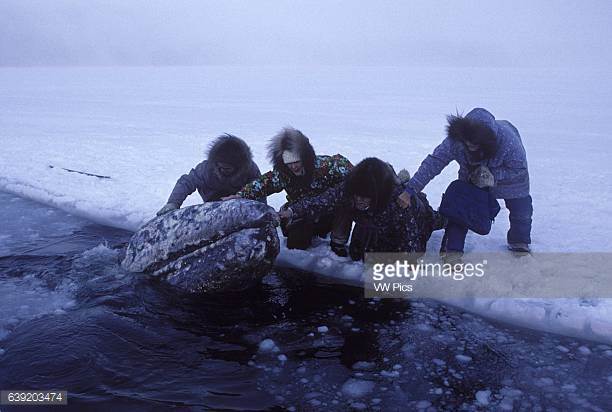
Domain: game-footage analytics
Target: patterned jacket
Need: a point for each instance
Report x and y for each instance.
(328, 172)
(393, 229)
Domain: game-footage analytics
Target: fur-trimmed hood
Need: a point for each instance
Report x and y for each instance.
(372, 178)
(205, 176)
(508, 164)
(230, 149)
(478, 126)
(295, 141)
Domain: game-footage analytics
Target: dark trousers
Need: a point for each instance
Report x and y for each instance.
(299, 234)
(520, 209)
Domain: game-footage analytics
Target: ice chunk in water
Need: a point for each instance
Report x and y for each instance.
(267, 345)
(463, 358)
(355, 388)
(363, 366)
(482, 397)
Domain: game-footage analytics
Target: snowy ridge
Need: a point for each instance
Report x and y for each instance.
(93, 209)
(321, 260)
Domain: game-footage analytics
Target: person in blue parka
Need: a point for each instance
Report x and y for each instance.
(490, 154)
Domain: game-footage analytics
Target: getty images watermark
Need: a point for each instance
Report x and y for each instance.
(394, 275)
(488, 275)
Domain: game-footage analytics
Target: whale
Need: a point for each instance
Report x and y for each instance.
(225, 246)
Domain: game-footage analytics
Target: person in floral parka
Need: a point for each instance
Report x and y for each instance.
(301, 174)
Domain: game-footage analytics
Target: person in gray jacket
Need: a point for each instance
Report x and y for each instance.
(228, 168)
(490, 154)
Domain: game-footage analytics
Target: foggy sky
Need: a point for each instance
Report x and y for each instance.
(265, 32)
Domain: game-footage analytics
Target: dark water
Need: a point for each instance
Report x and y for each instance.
(71, 319)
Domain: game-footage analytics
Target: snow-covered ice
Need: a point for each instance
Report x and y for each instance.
(144, 127)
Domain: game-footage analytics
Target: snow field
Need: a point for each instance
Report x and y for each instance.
(145, 127)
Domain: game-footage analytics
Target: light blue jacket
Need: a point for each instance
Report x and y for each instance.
(509, 165)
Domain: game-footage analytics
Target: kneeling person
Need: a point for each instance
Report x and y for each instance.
(490, 154)
(302, 174)
(367, 197)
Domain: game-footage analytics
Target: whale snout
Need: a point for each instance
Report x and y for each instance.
(212, 247)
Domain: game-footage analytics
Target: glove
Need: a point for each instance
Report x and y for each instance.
(286, 215)
(404, 176)
(409, 198)
(169, 207)
(482, 177)
(338, 248)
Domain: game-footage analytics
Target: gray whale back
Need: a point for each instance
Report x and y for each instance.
(214, 246)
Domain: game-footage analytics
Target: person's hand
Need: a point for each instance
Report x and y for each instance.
(286, 215)
(409, 198)
(404, 176)
(230, 197)
(482, 177)
(168, 207)
(403, 200)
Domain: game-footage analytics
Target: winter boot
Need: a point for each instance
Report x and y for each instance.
(453, 258)
(338, 248)
(519, 248)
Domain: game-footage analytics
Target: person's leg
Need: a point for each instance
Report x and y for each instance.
(521, 210)
(283, 222)
(454, 238)
(299, 236)
(341, 227)
(341, 230)
(358, 239)
(323, 225)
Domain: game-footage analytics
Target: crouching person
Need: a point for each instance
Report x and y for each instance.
(491, 155)
(367, 198)
(301, 174)
(227, 169)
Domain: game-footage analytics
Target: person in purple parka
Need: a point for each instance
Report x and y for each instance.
(490, 154)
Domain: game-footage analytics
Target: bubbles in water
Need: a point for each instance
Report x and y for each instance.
(28, 298)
